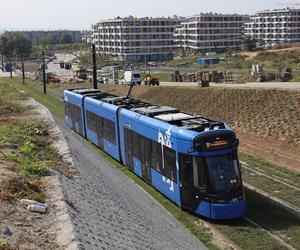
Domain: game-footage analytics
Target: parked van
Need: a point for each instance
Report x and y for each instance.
(132, 77)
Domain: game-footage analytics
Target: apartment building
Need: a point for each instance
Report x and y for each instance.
(136, 39)
(36, 36)
(210, 32)
(279, 26)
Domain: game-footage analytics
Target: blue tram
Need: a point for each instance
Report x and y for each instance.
(190, 159)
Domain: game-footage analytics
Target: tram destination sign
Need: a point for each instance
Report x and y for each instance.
(215, 141)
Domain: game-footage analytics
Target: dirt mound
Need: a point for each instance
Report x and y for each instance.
(252, 54)
(268, 117)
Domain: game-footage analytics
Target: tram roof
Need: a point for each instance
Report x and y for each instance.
(166, 114)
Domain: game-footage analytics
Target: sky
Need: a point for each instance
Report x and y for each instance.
(79, 15)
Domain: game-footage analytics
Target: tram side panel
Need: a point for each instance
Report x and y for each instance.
(145, 153)
(74, 111)
(101, 126)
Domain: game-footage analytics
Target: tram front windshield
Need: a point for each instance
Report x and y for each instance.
(223, 173)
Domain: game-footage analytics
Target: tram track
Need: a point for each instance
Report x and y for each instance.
(285, 204)
(258, 238)
(272, 235)
(275, 178)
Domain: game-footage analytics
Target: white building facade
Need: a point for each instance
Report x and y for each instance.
(281, 26)
(211, 32)
(136, 39)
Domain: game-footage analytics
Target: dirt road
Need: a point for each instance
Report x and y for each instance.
(266, 85)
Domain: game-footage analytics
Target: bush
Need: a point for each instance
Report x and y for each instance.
(28, 168)
(20, 187)
(28, 148)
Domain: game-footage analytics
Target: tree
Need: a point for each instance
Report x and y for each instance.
(46, 40)
(6, 45)
(250, 43)
(22, 45)
(65, 39)
(15, 44)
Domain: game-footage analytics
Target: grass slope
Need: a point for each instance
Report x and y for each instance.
(240, 231)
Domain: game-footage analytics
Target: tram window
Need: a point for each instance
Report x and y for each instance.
(72, 111)
(136, 145)
(128, 146)
(169, 163)
(156, 156)
(112, 133)
(147, 149)
(90, 120)
(98, 124)
(199, 171)
(109, 131)
(94, 123)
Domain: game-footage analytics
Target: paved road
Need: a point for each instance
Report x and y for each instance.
(6, 74)
(268, 85)
(111, 212)
(55, 68)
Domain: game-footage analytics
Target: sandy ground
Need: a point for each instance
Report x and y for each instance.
(53, 230)
(277, 148)
(272, 151)
(252, 54)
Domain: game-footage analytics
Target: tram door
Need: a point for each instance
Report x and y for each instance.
(189, 193)
(146, 158)
(186, 172)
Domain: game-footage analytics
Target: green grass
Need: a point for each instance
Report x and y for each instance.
(2, 243)
(275, 218)
(238, 63)
(35, 168)
(29, 155)
(34, 155)
(26, 150)
(271, 169)
(272, 187)
(8, 104)
(269, 215)
(247, 236)
(276, 189)
(51, 100)
(240, 232)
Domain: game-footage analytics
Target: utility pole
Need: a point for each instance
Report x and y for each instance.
(2, 58)
(145, 65)
(10, 67)
(44, 72)
(94, 66)
(23, 71)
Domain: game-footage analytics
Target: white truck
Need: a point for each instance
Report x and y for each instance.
(132, 77)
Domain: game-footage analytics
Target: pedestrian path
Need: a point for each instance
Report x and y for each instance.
(111, 212)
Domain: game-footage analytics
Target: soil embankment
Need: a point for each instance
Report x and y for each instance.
(267, 120)
(33, 156)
